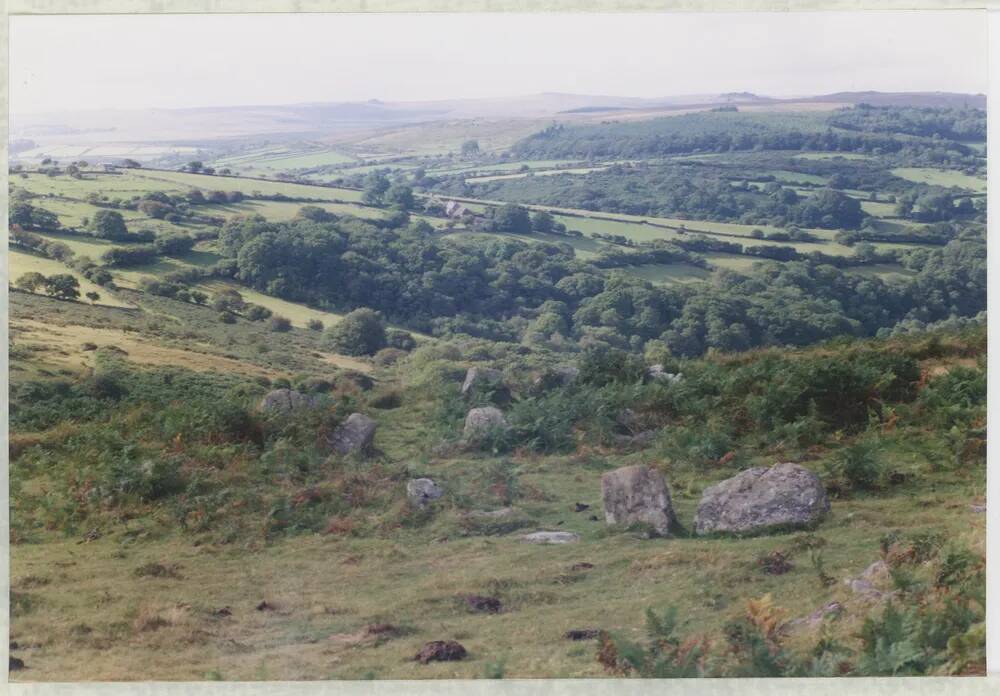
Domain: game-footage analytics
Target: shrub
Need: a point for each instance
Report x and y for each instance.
(255, 312)
(389, 356)
(314, 325)
(600, 366)
(109, 224)
(280, 324)
(402, 340)
(361, 332)
(860, 465)
(130, 256)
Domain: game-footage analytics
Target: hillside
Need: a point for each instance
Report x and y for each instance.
(155, 505)
(699, 395)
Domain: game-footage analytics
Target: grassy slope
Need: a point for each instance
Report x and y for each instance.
(83, 614)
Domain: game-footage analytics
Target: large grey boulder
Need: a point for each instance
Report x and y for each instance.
(758, 499)
(422, 491)
(554, 378)
(485, 380)
(355, 436)
(637, 494)
(481, 421)
(285, 401)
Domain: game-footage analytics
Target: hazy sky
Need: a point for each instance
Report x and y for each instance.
(96, 62)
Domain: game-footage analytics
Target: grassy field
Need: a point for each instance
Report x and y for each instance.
(182, 181)
(667, 273)
(539, 172)
(832, 155)
(879, 208)
(941, 177)
(284, 159)
(886, 271)
(299, 314)
(732, 262)
(19, 263)
(102, 613)
(137, 181)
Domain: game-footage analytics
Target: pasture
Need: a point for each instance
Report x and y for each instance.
(666, 273)
(19, 263)
(941, 177)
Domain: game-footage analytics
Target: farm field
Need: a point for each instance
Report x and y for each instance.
(832, 155)
(940, 177)
(883, 270)
(281, 160)
(539, 172)
(667, 273)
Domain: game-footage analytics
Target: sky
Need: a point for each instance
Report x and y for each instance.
(71, 63)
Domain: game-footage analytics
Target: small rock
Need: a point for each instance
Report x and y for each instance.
(583, 565)
(582, 634)
(226, 611)
(264, 606)
(491, 514)
(580, 507)
(480, 421)
(832, 609)
(866, 584)
(637, 494)
(285, 401)
(487, 605)
(440, 651)
(355, 436)
(594, 518)
(656, 372)
(978, 508)
(551, 537)
(758, 499)
(421, 491)
(15, 664)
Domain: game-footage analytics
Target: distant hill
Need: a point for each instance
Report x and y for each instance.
(74, 133)
(935, 99)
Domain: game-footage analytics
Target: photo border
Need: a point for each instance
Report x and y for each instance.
(911, 686)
